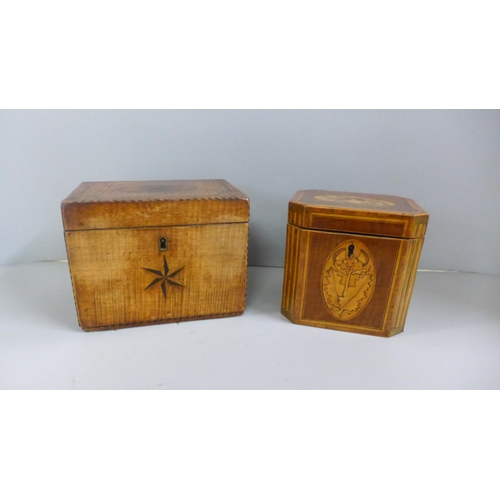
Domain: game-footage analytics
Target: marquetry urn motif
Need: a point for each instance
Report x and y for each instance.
(156, 251)
(351, 260)
(348, 279)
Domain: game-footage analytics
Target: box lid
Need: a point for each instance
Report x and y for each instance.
(122, 204)
(359, 213)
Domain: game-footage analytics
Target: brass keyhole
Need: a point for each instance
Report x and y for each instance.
(350, 251)
(163, 244)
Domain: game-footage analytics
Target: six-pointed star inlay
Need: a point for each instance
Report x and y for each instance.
(164, 277)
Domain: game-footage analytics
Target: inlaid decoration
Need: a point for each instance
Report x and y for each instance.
(355, 200)
(164, 277)
(348, 279)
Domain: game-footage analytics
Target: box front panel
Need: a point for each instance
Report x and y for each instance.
(349, 281)
(126, 276)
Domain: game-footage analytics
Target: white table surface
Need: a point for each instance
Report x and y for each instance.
(451, 341)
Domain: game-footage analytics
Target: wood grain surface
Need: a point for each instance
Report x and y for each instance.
(111, 273)
(119, 204)
(156, 252)
(379, 215)
(350, 279)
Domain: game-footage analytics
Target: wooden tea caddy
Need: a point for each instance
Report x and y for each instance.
(150, 252)
(351, 260)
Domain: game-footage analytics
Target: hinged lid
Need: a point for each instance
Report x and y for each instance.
(359, 213)
(122, 204)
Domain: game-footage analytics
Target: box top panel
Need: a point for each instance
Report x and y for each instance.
(121, 204)
(358, 213)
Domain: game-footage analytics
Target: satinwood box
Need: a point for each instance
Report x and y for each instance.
(351, 260)
(156, 251)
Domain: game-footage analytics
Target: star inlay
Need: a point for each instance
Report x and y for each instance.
(164, 277)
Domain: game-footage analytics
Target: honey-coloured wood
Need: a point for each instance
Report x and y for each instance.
(156, 252)
(120, 204)
(351, 260)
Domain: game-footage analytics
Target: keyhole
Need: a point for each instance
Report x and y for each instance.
(350, 250)
(163, 244)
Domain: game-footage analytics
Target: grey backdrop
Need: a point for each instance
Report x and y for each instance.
(448, 161)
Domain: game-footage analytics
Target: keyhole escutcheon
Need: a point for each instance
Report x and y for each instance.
(163, 244)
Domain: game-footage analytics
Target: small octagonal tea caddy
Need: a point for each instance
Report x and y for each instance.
(351, 260)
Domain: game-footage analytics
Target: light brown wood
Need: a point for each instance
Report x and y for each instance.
(348, 278)
(111, 205)
(125, 276)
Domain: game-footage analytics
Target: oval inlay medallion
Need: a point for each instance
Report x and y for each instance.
(355, 200)
(348, 279)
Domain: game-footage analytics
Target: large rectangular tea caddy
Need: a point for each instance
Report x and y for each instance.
(351, 260)
(156, 252)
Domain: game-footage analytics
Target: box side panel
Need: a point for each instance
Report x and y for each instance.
(404, 287)
(122, 278)
(292, 277)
